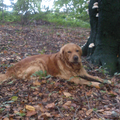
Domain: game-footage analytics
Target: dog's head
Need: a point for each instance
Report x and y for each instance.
(71, 53)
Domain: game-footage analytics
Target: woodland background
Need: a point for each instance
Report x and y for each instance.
(27, 28)
(68, 12)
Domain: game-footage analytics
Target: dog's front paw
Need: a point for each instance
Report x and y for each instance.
(95, 84)
(107, 81)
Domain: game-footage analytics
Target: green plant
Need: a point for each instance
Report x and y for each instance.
(102, 91)
(67, 20)
(20, 114)
(42, 51)
(40, 74)
(94, 109)
(102, 70)
(2, 109)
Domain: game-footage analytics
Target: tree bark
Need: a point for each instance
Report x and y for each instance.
(105, 34)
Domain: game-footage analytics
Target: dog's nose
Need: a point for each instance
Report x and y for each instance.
(75, 58)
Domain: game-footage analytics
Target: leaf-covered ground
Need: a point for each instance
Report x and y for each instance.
(50, 98)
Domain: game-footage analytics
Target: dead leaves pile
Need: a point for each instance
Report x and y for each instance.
(53, 98)
(50, 98)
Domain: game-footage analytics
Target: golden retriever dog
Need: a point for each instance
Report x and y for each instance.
(65, 64)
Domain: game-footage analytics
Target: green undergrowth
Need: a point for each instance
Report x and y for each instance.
(67, 20)
(63, 19)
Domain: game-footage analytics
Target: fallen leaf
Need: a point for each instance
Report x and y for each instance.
(101, 110)
(67, 115)
(29, 107)
(18, 58)
(112, 93)
(89, 93)
(30, 113)
(36, 83)
(40, 107)
(5, 51)
(67, 94)
(44, 100)
(101, 118)
(51, 105)
(46, 114)
(67, 104)
(6, 118)
(94, 119)
(81, 112)
(35, 93)
(40, 94)
(43, 81)
(73, 105)
(107, 113)
(14, 98)
(16, 112)
(89, 111)
(84, 109)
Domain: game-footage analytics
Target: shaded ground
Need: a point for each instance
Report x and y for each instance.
(50, 98)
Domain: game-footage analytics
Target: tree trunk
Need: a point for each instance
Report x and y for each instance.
(105, 34)
(2, 11)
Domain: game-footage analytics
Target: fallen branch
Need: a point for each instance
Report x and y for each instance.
(24, 44)
(76, 112)
(2, 46)
(91, 67)
(59, 110)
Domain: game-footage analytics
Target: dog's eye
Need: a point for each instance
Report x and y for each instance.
(77, 50)
(69, 51)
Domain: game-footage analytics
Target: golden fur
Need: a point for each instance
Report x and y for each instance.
(65, 64)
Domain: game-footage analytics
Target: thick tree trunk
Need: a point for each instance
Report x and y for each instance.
(105, 34)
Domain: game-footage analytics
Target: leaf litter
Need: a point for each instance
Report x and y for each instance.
(49, 98)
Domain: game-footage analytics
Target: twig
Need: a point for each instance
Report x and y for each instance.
(87, 101)
(118, 101)
(23, 44)
(59, 111)
(90, 108)
(2, 46)
(91, 67)
(76, 112)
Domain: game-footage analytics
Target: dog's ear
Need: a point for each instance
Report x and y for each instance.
(62, 52)
(80, 50)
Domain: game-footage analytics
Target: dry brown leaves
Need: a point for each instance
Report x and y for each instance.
(51, 98)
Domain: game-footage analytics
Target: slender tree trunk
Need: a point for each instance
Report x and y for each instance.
(2, 11)
(105, 35)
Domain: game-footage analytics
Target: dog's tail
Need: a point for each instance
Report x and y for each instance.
(3, 77)
(9, 74)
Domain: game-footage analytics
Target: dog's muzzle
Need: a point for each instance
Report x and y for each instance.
(75, 58)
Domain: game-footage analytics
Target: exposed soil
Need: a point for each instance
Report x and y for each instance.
(50, 98)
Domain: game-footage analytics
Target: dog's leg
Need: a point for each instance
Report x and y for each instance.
(96, 79)
(78, 80)
(91, 78)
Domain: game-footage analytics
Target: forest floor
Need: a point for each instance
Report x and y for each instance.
(51, 98)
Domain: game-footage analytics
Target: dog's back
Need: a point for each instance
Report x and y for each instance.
(26, 67)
